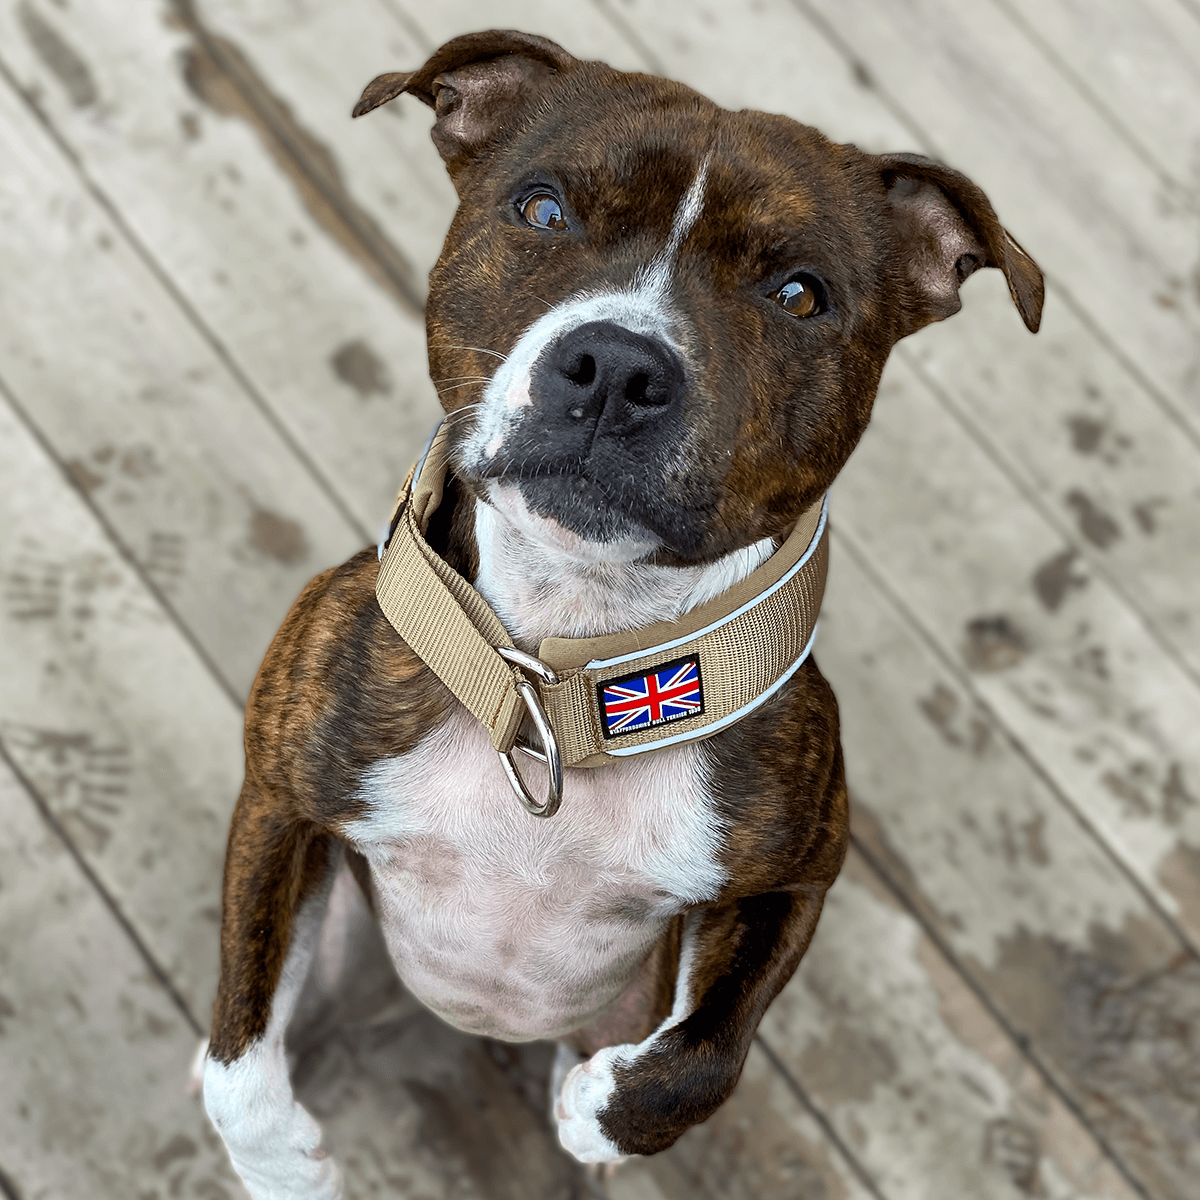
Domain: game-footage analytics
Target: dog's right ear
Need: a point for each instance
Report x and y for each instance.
(476, 84)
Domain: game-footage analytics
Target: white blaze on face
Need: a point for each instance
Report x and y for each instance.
(686, 215)
(643, 307)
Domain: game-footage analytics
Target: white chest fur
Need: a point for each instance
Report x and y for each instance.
(520, 928)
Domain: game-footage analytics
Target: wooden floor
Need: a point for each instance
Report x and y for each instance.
(212, 380)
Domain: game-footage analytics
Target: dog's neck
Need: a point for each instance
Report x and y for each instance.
(558, 586)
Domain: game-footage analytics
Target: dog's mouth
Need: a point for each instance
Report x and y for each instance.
(613, 508)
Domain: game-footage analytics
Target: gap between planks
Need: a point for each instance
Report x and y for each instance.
(205, 331)
(1186, 422)
(153, 965)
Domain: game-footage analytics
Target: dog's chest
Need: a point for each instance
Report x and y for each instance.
(519, 927)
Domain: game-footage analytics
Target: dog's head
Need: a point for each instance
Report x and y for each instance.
(678, 314)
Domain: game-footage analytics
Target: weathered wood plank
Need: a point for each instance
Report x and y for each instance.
(321, 324)
(152, 423)
(1139, 63)
(1090, 207)
(934, 1097)
(1070, 957)
(1085, 443)
(761, 1145)
(1066, 666)
(93, 1054)
(112, 717)
(320, 57)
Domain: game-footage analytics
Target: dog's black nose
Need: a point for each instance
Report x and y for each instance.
(602, 370)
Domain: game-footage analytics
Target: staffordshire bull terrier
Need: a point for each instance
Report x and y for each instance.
(658, 327)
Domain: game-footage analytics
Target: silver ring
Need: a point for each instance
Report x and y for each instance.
(550, 755)
(528, 663)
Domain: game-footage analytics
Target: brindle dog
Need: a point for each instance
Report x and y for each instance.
(678, 316)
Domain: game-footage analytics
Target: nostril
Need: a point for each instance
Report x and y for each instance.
(584, 372)
(637, 389)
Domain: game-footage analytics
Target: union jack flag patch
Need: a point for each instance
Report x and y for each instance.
(640, 701)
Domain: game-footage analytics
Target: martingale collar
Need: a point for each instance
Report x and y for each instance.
(596, 700)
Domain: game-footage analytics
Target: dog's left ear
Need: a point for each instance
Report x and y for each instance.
(476, 84)
(946, 230)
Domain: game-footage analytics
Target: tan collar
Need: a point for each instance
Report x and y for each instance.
(596, 700)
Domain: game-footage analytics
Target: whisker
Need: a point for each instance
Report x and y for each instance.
(455, 386)
(466, 410)
(482, 350)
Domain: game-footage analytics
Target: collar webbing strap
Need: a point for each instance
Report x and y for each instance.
(619, 694)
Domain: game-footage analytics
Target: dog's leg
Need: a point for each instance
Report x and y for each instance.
(277, 880)
(637, 1099)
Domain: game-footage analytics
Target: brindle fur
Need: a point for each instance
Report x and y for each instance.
(339, 691)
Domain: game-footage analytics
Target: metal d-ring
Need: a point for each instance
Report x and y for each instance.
(549, 755)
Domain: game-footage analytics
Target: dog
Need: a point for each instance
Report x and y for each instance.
(671, 320)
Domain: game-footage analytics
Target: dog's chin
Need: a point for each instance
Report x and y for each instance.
(567, 515)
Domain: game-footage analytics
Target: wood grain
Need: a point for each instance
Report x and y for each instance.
(1070, 958)
(914, 1073)
(1091, 207)
(93, 1054)
(266, 261)
(113, 719)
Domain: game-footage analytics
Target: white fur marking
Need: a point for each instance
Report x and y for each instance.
(588, 1088)
(545, 581)
(642, 307)
(517, 928)
(273, 1143)
(586, 1093)
(658, 274)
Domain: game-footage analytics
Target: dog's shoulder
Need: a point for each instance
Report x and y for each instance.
(337, 691)
(779, 786)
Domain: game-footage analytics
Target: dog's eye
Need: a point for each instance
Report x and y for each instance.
(801, 297)
(544, 212)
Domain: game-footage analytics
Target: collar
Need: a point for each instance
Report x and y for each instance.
(596, 700)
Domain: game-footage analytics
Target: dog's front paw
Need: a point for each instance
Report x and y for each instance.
(585, 1093)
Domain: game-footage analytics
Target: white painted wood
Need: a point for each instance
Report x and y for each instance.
(93, 1054)
(1068, 668)
(338, 361)
(1089, 208)
(1084, 443)
(579, 28)
(199, 485)
(1068, 953)
(933, 1096)
(112, 717)
(321, 56)
(1138, 62)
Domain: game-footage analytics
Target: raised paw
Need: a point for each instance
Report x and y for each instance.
(585, 1093)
